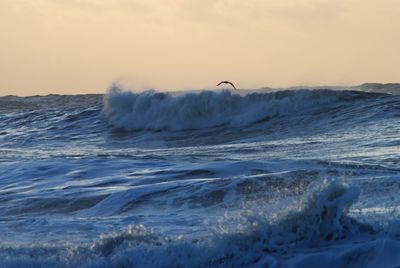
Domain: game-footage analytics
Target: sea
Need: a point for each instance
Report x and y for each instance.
(293, 177)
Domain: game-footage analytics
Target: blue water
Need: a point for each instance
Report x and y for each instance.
(262, 178)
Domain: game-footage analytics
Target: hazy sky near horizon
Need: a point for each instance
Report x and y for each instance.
(82, 46)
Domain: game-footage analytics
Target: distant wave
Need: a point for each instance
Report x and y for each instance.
(152, 110)
(52, 101)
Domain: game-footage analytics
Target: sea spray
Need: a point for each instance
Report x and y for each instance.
(316, 217)
(323, 215)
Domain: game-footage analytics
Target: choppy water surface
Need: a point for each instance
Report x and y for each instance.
(286, 178)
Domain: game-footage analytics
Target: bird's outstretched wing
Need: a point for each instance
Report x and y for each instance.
(230, 83)
(220, 83)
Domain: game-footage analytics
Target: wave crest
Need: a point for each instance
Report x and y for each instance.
(152, 110)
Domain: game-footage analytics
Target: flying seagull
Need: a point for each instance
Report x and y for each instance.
(227, 82)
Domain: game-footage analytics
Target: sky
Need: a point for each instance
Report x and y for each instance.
(83, 46)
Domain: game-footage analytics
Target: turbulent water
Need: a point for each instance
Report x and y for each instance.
(264, 178)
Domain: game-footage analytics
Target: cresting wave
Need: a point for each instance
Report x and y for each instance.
(152, 110)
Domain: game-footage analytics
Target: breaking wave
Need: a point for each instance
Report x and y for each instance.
(152, 110)
(315, 222)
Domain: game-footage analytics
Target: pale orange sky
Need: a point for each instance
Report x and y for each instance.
(81, 46)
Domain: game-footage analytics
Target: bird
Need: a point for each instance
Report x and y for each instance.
(227, 82)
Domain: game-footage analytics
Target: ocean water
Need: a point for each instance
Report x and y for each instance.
(264, 178)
